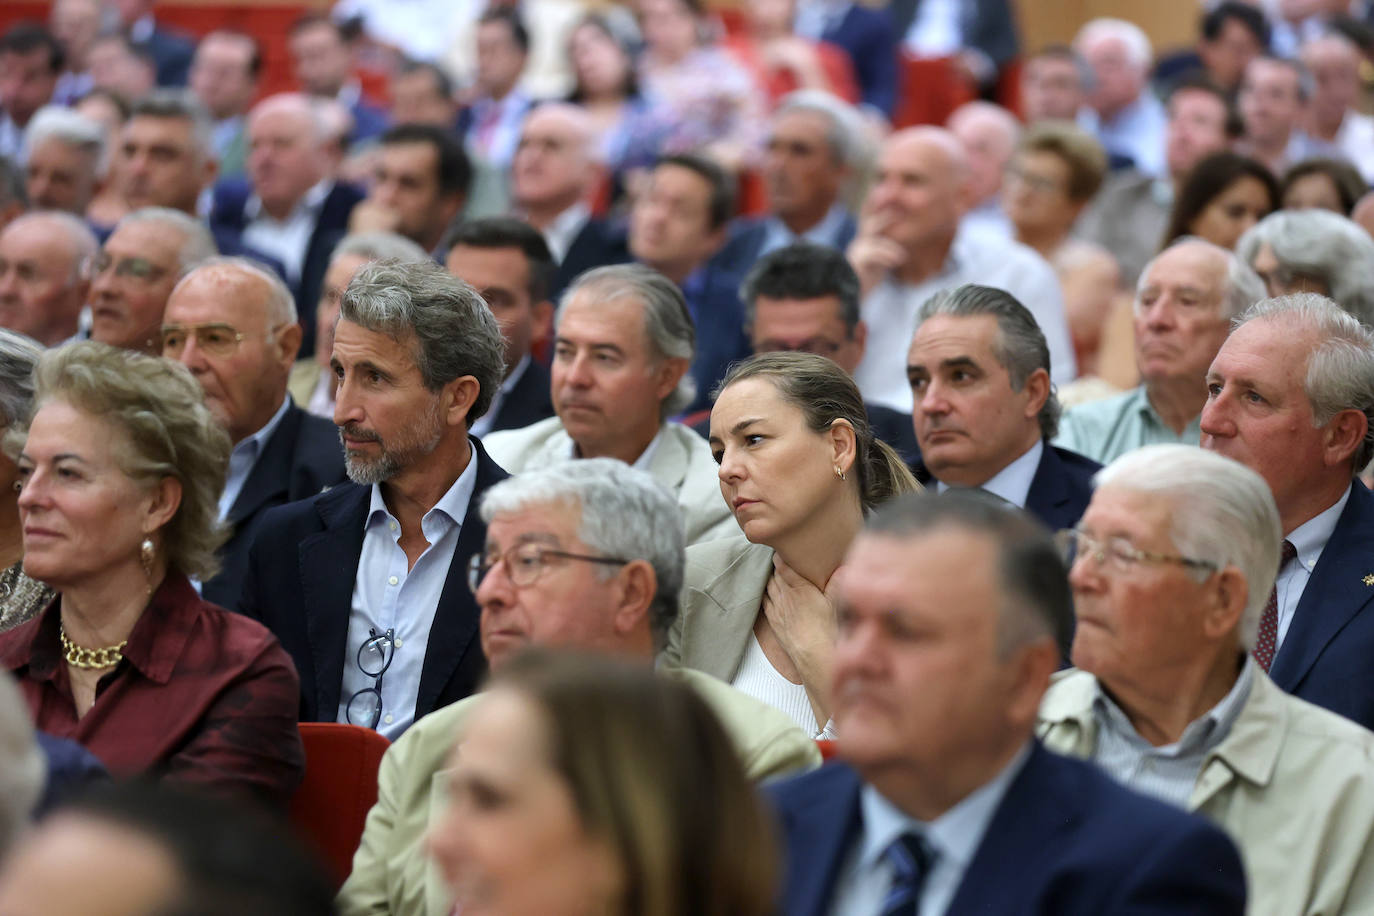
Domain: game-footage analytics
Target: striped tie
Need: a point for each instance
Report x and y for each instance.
(910, 857)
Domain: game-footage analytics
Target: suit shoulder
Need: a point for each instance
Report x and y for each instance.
(804, 789)
(724, 552)
(293, 519)
(1076, 465)
(513, 449)
(425, 746)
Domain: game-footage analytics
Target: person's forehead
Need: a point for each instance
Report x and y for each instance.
(40, 240)
(281, 120)
(818, 309)
(412, 156)
(886, 572)
(151, 128)
(1195, 102)
(50, 148)
(1188, 264)
(480, 266)
(221, 293)
(919, 154)
(226, 48)
(971, 335)
(1273, 350)
(801, 124)
(597, 319)
(551, 522)
(156, 241)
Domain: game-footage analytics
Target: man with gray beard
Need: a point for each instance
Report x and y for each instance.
(418, 356)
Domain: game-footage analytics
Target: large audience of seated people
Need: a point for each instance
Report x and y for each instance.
(670, 458)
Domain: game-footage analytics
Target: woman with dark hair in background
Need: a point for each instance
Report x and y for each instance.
(1224, 195)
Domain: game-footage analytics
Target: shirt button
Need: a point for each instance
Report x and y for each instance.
(393, 580)
(391, 525)
(386, 719)
(397, 643)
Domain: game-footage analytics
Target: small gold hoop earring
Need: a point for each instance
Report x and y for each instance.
(839, 473)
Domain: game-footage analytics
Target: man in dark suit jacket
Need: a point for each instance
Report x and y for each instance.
(280, 452)
(507, 261)
(984, 408)
(867, 35)
(365, 584)
(1322, 625)
(812, 148)
(945, 801)
(170, 50)
(985, 30)
(290, 208)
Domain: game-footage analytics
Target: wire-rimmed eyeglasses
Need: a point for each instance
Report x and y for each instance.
(526, 562)
(1117, 553)
(374, 657)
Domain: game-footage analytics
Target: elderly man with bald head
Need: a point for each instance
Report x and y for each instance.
(233, 324)
(1334, 62)
(290, 206)
(989, 134)
(43, 277)
(1184, 304)
(551, 175)
(909, 247)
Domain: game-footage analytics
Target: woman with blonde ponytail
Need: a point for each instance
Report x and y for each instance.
(800, 468)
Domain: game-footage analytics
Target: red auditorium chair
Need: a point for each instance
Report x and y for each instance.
(339, 788)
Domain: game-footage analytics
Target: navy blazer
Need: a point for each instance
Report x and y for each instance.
(528, 402)
(172, 52)
(1327, 656)
(597, 244)
(988, 25)
(302, 457)
(713, 299)
(745, 245)
(868, 36)
(1060, 490)
(226, 216)
(301, 571)
(1066, 840)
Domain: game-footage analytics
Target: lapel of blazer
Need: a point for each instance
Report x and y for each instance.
(327, 587)
(438, 900)
(454, 631)
(1048, 490)
(829, 820)
(724, 612)
(671, 460)
(271, 474)
(1335, 593)
(1022, 833)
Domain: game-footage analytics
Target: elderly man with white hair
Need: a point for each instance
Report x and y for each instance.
(43, 278)
(989, 134)
(1184, 304)
(1313, 251)
(1171, 568)
(65, 157)
(291, 205)
(1334, 62)
(1122, 111)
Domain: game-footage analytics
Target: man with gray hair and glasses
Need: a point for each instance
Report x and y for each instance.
(1184, 304)
(586, 555)
(1313, 251)
(623, 341)
(985, 410)
(1172, 565)
(135, 270)
(1291, 396)
(418, 356)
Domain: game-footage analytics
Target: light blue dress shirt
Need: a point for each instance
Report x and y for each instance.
(954, 837)
(1013, 482)
(388, 597)
(1308, 539)
(244, 457)
(1137, 131)
(482, 426)
(826, 232)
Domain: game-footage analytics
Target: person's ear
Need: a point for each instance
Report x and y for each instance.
(1224, 613)
(1343, 435)
(843, 444)
(288, 344)
(163, 501)
(670, 371)
(635, 596)
(458, 397)
(1038, 391)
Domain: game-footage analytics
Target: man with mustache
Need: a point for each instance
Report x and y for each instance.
(1184, 304)
(985, 410)
(359, 582)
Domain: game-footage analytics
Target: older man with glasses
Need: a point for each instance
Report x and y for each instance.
(232, 323)
(1173, 563)
(585, 555)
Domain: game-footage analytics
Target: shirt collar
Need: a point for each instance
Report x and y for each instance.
(310, 201)
(1140, 398)
(564, 229)
(645, 458)
(954, 836)
(1202, 734)
(822, 233)
(1013, 482)
(453, 505)
(1311, 536)
(253, 444)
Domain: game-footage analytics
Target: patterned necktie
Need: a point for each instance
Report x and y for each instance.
(911, 858)
(1267, 642)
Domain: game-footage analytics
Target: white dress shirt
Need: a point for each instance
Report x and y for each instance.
(286, 239)
(387, 596)
(1309, 539)
(890, 313)
(936, 30)
(1355, 140)
(954, 838)
(482, 425)
(1013, 482)
(564, 229)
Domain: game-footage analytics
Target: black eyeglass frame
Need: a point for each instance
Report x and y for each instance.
(386, 643)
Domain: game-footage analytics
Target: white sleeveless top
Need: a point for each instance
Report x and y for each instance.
(757, 677)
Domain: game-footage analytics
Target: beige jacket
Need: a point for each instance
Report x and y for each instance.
(392, 874)
(1292, 784)
(682, 464)
(722, 592)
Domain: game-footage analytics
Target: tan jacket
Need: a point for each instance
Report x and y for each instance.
(392, 874)
(1291, 783)
(722, 592)
(682, 464)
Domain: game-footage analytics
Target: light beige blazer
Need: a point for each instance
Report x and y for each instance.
(722, 593)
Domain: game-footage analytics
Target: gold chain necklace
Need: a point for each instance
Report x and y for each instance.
(91, 659)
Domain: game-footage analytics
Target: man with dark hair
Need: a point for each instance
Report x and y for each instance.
(169, 50)
(507, 261)
(224, 76)
(419, 358)
(985, 409)
(1054, 84)
(952, 612)
(422, 93)
(677, 223)
(805, 297)
(1230, 35)
(420, 183)
(322, 60)
(492, 121)
(30, 62)
(1274, 95)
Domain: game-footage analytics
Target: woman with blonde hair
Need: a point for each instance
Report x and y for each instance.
(121, 468)
(799, 467)
(586, 786)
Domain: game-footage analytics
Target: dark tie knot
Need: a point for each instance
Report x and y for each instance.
(911, 858)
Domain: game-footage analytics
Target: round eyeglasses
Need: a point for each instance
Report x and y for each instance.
(374, 657)
(526, 562)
